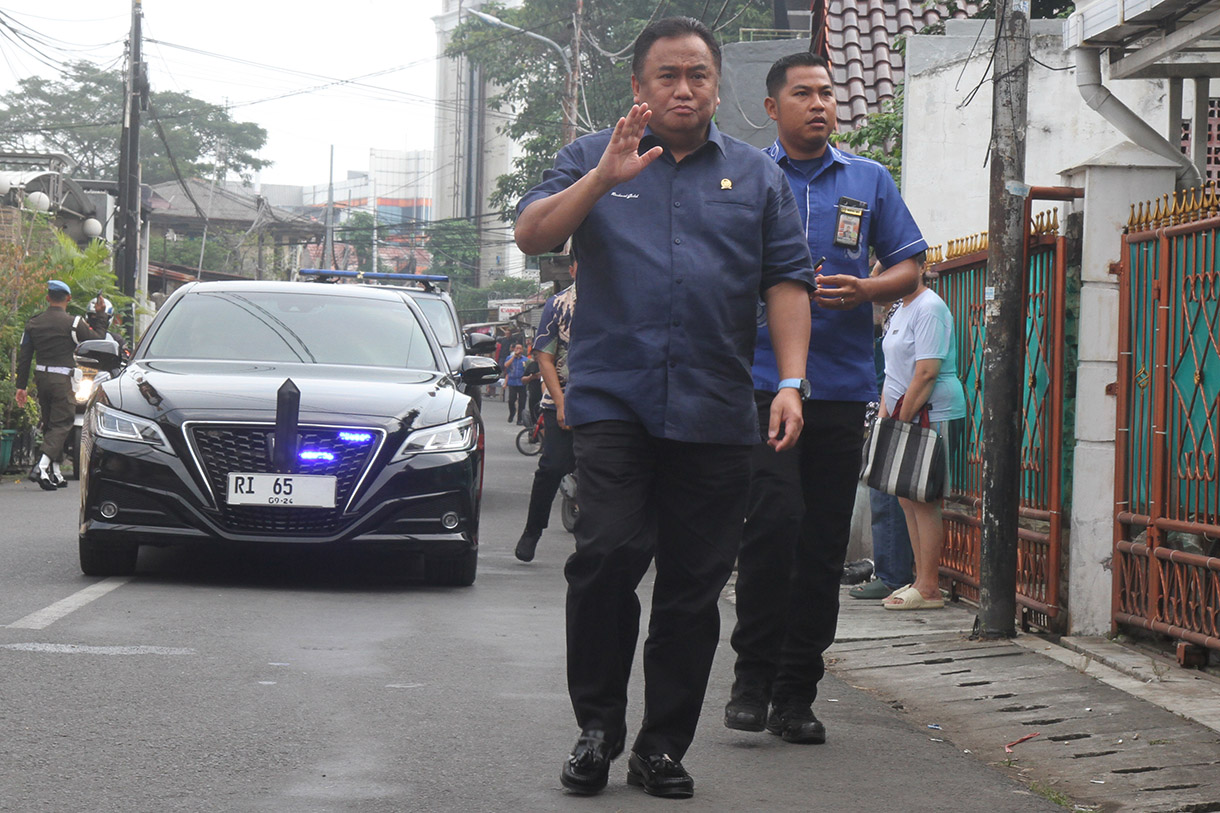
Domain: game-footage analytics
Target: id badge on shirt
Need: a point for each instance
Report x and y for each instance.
(847, 227)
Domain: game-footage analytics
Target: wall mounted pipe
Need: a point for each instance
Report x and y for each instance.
(1098, 97)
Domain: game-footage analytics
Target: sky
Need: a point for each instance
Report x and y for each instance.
(298, 46)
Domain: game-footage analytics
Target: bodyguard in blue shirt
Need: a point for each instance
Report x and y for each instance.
(679, 230)
(801, 500)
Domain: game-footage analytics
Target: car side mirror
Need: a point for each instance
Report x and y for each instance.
(102, 353)
(479, 370)
(480, 343)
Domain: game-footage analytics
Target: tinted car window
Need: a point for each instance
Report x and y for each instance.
(293, 327)
(437, 314)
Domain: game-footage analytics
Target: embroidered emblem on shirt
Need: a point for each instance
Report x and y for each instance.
(725, 183)
(629, 196)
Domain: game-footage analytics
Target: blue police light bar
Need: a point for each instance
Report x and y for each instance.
(314, 454)
(322, 272)
(355, 437)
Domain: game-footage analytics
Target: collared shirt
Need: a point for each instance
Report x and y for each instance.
(554, 336)
(840, 364)
(514, 369)
(52, 336)
(672, 264)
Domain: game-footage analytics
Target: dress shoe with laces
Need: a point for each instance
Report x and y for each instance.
(796, 724)
(526, 545)
(660, 775)
(587, 768)
(746, 710)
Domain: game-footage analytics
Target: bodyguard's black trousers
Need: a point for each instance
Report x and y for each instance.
(793, 549)
(644, 498)
(58, 404)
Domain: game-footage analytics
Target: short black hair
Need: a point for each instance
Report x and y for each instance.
(55, 295)
(777, 77)
(669, 28)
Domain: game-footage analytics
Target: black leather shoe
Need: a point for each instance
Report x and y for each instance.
(526, 545)
(59, 480)
(796, 724)
(43, 478)
(746, 710)
(659, 775)
(586, 770)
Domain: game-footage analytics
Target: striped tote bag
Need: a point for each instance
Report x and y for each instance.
(905, 459)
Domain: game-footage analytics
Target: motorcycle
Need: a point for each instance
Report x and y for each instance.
(84, 388)
(569, 511)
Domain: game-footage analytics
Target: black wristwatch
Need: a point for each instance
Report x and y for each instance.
(801, 385)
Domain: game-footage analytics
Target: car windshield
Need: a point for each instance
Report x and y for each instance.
(437, 314)
(293, 327)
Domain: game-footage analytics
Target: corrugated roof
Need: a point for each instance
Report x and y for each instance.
(221, 205)
(867, 68)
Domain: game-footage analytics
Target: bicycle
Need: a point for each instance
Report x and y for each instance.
(529, 439)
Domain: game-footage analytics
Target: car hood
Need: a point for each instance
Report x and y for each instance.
(180, 391)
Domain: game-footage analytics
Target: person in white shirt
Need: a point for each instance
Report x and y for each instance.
(921, 370)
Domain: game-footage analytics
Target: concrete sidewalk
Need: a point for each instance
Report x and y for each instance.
(1114, 730)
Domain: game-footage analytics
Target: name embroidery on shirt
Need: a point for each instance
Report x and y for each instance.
(628, 196)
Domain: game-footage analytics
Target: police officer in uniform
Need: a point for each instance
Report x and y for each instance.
(52, 336)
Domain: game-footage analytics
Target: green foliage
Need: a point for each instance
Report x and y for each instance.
(80, 114)
(23, 286)
(358, 231)
(454, 245)
(532, 76)
(217, 254)
(471, 302)
(880, 137)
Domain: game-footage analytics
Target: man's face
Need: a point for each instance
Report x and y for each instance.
(518, 349)
(680, 85)
(805, 111)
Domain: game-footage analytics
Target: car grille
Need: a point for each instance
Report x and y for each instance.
(224, 449)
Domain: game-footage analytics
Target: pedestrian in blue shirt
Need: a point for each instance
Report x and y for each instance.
(801, 500)
(679, 230)
(514, 373)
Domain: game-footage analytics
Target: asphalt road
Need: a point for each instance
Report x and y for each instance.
(289, 679)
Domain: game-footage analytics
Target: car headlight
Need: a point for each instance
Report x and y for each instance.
(455, 436)
(83, 390)
(111, 423)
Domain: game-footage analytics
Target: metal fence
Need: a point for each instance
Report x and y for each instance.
(962, 283)
(1167, 490)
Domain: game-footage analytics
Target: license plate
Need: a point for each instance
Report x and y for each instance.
(284, 490)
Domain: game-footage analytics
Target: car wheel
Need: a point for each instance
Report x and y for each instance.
(569, 513)
(74, 441)
(529, 443)
(97, 559)
(452, 571)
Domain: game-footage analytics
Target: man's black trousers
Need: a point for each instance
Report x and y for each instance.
(557, 460)
(643, 499)
(516, 402)
(793, 549)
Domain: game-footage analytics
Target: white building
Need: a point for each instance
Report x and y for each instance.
(470, 151)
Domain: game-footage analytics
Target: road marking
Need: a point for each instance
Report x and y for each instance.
(404, 685)
(78, 649)
(49, 615)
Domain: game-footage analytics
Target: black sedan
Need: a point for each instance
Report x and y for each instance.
(261, 412)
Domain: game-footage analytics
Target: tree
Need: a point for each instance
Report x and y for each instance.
(454, 245)
(532, 76)
(81, 115)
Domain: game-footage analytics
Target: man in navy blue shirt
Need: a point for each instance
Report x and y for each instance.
(801, 500)
(679, 230)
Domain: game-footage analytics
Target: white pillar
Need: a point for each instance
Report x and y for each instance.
(1112, 181)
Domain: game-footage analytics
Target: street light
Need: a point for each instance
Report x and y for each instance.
(569, 87)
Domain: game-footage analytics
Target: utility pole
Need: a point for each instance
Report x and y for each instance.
(571, 85)
(135, 99)
(373, 199)
(328, 247)
(1004, 312)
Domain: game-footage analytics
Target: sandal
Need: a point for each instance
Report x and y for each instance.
(872, 590)
(912, 599)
